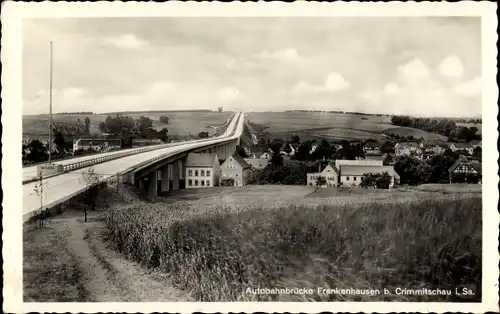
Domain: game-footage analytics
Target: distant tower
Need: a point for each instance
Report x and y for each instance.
(220, 109)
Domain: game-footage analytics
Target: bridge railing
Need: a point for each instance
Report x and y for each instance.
(98, 160)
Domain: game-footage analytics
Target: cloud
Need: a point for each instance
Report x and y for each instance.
(285, 55)
(417, 91)
(334, 82)
(451, 67)
(469, 88)
(414, 70)
(126, 41)
(391, 89)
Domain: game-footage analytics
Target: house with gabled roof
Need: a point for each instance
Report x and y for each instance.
(330, 173)
(476, 143)
(455, 147)
(352, 175)
(235, 171)
(202, 170)
(465, 170)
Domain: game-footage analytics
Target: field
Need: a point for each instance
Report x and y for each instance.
(214, 247)
(310, 125)
(213, 244)
(180, 123)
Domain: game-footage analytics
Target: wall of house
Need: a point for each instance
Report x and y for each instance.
(231, 169)
(195, 175)
(355, 181)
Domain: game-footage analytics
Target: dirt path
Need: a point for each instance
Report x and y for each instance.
(104, 274)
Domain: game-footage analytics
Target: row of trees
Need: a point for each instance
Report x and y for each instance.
(126, 128)
(445, 127)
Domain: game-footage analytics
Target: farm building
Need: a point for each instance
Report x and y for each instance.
(96, 144)
(202, 170)
(456, 147)
(235, 171)
(476, 143)
(465, 171)
(351, 175)
(407, 149)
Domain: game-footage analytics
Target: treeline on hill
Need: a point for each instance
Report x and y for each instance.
(446, 127)
(339, 111)
(127, 129)
(90, 113)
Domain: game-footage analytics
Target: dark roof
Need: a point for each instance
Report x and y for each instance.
(461, 145)
(200, 160)
(360, 170)
(240, 161)
(475, 142)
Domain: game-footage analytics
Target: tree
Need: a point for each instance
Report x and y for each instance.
(59, 141)
(163, 134)
(164, 119)
(144, 124)
(241, 151)
(91, 180)
(276, 160)
(87, 125)
(102, 127)
(39, 189)
(320, 181)
(295, 139)
(203, 134)
(388, 160)
(37, 151)
(303, 151)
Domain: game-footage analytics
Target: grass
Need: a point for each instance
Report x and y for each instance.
(216, 251)
(180, 123)
(51, 272)
(313, 125)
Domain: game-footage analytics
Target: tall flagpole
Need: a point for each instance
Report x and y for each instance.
(50, 107)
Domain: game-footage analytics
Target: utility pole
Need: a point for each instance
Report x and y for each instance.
(50, 107)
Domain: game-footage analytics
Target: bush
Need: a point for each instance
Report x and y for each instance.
(217, 255)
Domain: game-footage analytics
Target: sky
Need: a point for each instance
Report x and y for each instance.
(410, 65)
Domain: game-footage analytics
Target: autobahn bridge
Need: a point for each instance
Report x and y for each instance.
(156, 169)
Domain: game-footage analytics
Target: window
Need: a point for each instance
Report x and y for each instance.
(196, 173)
(190, 182)
(354, 178)
(202, 183)
(208, 173)
(208, 182)
(190, 173)
(196, 182)
(347, 178)
(202, 173)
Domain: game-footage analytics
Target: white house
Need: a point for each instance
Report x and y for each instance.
(330, 173)
(351, 175)
(257, 163)
(408, 149)
(202, 170)
(237, 169)
(455, 147)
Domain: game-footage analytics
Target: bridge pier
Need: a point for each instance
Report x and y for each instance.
(152, 187)
(165, 179)
(175, 175)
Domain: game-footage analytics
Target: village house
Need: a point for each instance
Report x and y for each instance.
(456, 147)
(476, 143)
(349, 173)
(202, 170)
(259, 153)
(257, 163)
(330, 173)
(465, 171)
(372, 149)
(407, 149)
(235, 170)
(352, 175)
(96, 144)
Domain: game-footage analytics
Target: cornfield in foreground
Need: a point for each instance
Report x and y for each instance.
(216, 253)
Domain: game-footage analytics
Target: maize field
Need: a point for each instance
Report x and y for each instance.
(216, 251)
